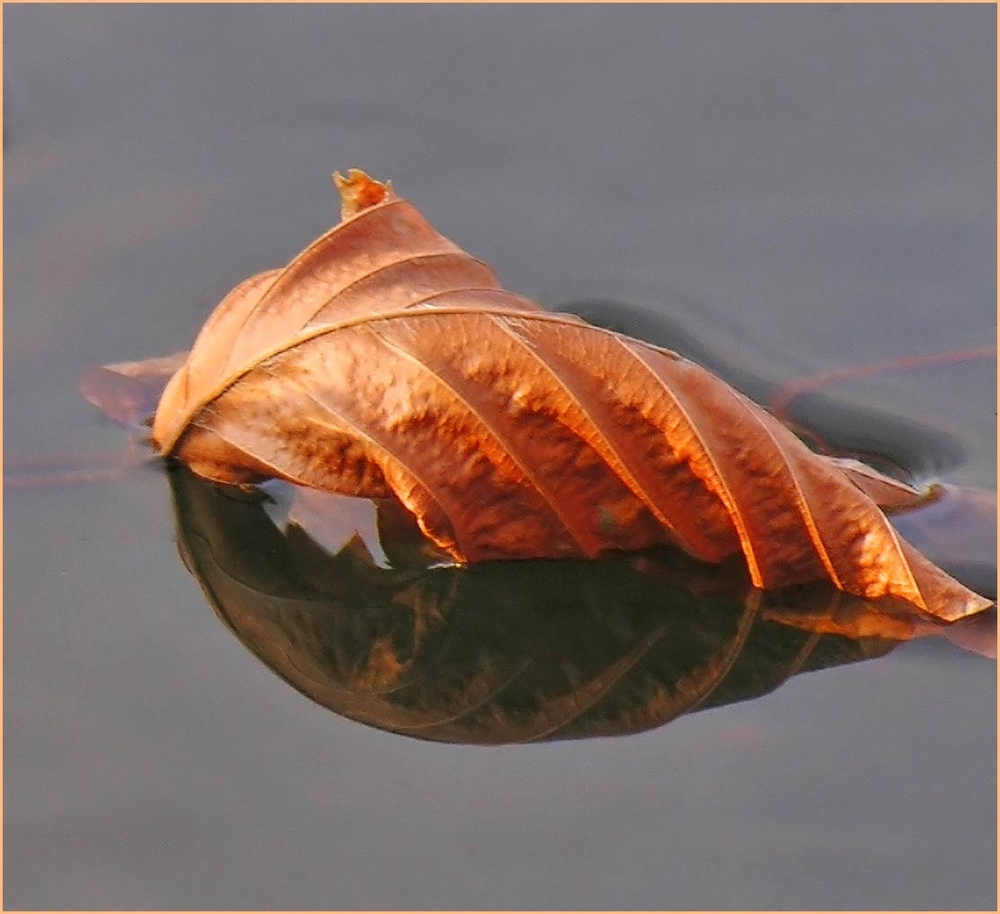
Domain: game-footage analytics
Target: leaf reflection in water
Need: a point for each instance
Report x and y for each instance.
(512, 652)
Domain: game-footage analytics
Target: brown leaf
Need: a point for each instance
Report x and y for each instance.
(386, 361)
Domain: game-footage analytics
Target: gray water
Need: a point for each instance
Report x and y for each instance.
(798, 189)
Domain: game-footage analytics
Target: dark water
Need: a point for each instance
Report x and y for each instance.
(791, 189)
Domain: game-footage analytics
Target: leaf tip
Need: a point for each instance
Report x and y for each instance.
(358, 192)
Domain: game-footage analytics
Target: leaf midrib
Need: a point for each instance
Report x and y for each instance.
(310, 333)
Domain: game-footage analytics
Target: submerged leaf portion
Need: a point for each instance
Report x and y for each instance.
(129, 391)
(384, 361)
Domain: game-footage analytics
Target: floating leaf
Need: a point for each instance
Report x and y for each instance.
(386, 362)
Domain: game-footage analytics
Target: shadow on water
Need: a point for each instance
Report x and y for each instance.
(513, 652)
(884, 439)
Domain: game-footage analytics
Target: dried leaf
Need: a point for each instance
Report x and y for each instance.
(384, 361)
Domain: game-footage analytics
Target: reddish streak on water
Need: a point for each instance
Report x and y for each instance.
(782, 398)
